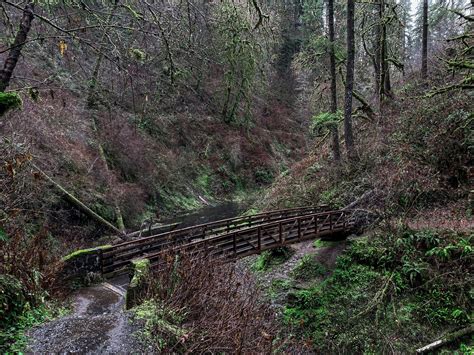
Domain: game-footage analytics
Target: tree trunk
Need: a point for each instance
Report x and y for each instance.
(377, 56)
(424, 49)
(332, 59)
(381, 53)
(91, 105)
(349, 139)
(20, 38)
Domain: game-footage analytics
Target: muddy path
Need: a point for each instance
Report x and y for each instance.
(97, 324)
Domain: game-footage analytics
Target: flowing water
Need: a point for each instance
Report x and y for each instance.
(223, 210)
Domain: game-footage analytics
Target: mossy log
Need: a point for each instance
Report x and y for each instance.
(88, 251)
(446, 339)
(80, 205)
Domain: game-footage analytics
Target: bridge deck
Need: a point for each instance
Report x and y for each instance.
(232, 238)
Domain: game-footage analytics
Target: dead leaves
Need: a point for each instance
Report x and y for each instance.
(12, 166)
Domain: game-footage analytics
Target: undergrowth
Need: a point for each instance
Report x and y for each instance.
(271, 258)
(13, 339)
(417, 157)
(394, 292)
(308, 268)
(193, 304)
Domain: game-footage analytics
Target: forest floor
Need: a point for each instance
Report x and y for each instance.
(97, 324)
(282, 273)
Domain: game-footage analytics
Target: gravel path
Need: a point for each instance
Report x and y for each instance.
(98, 324)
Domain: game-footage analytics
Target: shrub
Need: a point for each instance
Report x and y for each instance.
(9, 101)
(193, 303)
(13, 298)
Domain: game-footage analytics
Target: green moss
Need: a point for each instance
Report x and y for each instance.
(251, 211)
(308, 268)
(279, 286)
(271, 258)
(9, 101)
(141, 268)
(318, 243)
(86, 251)
(204, 181)
(178, 201)
(138, 54)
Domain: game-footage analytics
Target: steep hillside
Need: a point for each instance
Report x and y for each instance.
(417, 158)
(407, 282)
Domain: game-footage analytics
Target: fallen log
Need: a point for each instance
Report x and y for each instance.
(80, 205)
(446, 339)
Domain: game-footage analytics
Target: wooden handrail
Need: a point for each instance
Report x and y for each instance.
(236, 243)
(218, 223)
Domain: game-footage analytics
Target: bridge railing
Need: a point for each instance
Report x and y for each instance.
(268, 231)
(270, 235)
(135, 248)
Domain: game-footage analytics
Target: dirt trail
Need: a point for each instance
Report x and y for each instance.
(98, 324)
(326, 256)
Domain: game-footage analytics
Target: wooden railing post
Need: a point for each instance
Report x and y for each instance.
(330, 221)
(299, 227)
(259, 240)
(280, 233)
(316, 225)
(234, 241)
(101, 258)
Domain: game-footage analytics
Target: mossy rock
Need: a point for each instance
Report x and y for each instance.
(140, 269)
(271, 258)
(9, 101)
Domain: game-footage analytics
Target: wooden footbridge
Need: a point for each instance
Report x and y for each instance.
(232, 238)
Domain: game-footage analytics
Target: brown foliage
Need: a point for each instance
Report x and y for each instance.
(29, 260)
(221, 307)
(27, 251)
